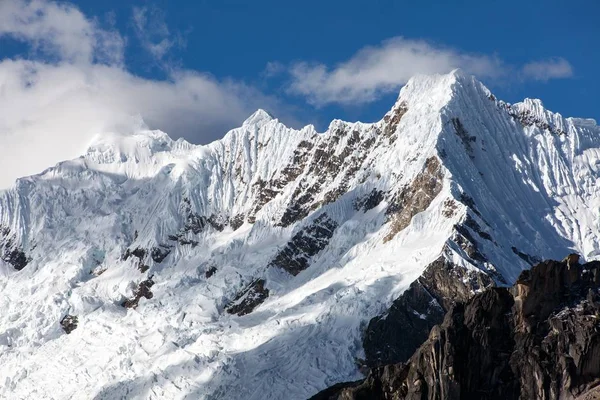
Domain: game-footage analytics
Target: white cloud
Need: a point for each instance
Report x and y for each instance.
(376, 70)
(61, 30)
(548, 69)
(50, 108)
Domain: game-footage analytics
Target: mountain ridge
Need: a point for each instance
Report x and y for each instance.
(304, 237)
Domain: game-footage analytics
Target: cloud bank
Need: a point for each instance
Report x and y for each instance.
(73, 85)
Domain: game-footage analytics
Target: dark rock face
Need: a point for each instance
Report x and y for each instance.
(16, 258)
(539, 339)
(10, 251)
(158, 254)
(340, 154)
(392, 119)
(393, 337)
(526, 118)
(143, 290)
(249, 298)
(370, 201)
(464, 136)
(236, 222)
(467, 242)
(295, 256)
(140, 254)
(531, 260)
(69, 323)
(471, 223)
(414, 198)
(210, 272)
(182, 240)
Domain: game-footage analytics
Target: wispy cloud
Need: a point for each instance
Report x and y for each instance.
(377, 70)
(74, 86)
(554, 68)
(153, 31)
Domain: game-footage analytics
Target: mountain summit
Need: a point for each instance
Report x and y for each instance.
(272, 263)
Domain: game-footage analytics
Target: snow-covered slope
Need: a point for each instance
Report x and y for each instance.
(256, 261)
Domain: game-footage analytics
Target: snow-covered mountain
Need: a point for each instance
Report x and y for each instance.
(251, 267)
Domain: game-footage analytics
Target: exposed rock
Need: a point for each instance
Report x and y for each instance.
(196, 223)
(471, 223)
(267, 191)
(526, 118)
(158, 254)
(210, 272)
(10, 251)
(264, 194)
(467, 242)
(249, 298)
(369, 201)
(466, 139)
(539, 339)
(236, 222)
(394, 336)
(183, 240)
(16, 258)
(143, 290)
(531, 260)
(392, 119)
(328, 163)
(469, 202)
(140, 254)
(572, 259)
(415, 198)
(69, 323)
(295, 256)
(450, 208)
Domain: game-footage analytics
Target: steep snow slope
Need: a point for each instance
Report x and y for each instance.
(268, 251)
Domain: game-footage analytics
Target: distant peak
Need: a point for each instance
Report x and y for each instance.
(260, 117)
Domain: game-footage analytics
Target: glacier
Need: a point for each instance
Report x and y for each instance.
(334, 226)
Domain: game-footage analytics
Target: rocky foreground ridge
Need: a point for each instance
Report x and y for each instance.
(539, 339)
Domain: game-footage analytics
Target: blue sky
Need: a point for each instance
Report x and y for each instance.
(238, 38)
(197, 68)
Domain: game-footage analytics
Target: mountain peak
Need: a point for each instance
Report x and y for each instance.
(435, 89)
(260, 117)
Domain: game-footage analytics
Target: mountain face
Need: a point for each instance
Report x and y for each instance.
(539, 339)
(274, 263)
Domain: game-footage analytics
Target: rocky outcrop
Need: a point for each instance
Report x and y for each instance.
(527, 118)
(10, 251)
(414, 198)
(138, 253)
(394, 336)
(249, 298)
(158, 254)
(310, 240)
(539, 339)
(142, 290)
(69, 323)
(369, 201)
(466, 139)
(15, 257)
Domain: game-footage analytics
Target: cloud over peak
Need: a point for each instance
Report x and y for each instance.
(377, 70)
(75, 85)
